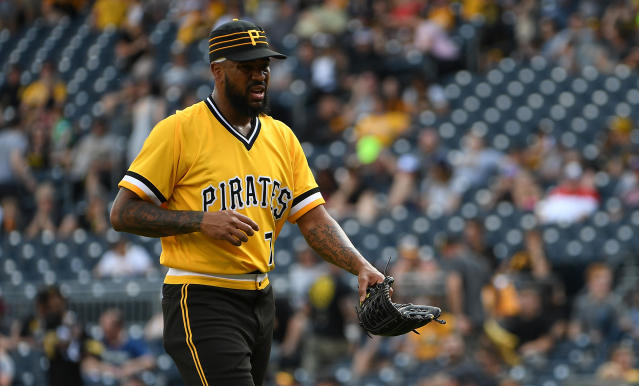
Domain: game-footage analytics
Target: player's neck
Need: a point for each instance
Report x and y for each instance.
(241, 122)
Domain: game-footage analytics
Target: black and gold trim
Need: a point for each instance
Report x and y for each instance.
(243, 38)
(305, 202)
(189, 335)
(240, 40)
(247, 141)
(142, 187)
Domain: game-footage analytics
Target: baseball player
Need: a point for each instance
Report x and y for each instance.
(216, 181)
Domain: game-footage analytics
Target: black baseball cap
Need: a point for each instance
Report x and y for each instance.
(240, 40)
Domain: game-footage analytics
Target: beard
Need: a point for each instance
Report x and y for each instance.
(239, 99)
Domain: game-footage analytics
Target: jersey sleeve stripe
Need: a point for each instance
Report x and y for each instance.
(155, 191)
(304, 202)
(126, 184)
(303, 210)
(304, 196)
(128, 180)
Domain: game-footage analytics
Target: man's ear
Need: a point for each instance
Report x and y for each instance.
(217, 71)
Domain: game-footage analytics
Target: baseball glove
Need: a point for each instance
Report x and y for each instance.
(378, 315)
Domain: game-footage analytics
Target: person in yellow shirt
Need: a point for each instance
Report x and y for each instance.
(217, 181)
(109, 13)
(47, 90)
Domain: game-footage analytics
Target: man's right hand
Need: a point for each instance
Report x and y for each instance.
(228, 225)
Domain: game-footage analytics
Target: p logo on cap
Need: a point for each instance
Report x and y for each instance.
(253, 34)
(240, 40)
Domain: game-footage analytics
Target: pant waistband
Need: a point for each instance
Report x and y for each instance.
(236, 281)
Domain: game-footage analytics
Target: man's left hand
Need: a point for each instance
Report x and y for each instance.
(367, 277)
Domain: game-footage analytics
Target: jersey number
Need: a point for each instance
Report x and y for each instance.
(269, 237)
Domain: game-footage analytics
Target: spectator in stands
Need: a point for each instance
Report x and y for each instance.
(421, 95)
(543, 157)
(578, 47)
(617, 144)
(416, 272)
(515, 183)
(124, 259)
(65, 342)
(617, 30)
(8, 341)
(329, 17)
(7, 367)
(325, 122)
(45, 218)
(527, 334)
(628, 185)
(11, 218)
(475, 164)
(621, 367)
(148, 109)
(92, 160)
(467, 274)
(15, 176)
(195, 18)
(597, 311)
(328, 311)
(54, 10)
(48, 90)
(109, 13)
(501, 296)
(439, 194)
(462, 365)
(363, 90)
(178, 74)
(528, 267)
(90, 216)
(286, 335)
(132, 51)
(412, 167)
(526, 192)
(33, 326)
(118, 107)
(475, 238)
(306, 269)
(630, 322)
(386, 125)
(432, 39)
(572, 200)
(7, 327)
(38, 153)
(95, 216)
(10, 89)
(60, 137)
(121, 357)
(358, 186)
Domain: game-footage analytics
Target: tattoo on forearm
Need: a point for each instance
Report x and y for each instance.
(146, 219)
(330, 241)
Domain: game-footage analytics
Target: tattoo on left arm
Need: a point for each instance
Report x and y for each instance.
(330, 241)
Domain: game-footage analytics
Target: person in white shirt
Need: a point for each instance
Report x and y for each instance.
(124, 259)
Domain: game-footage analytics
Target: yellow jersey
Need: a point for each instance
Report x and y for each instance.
(195, 160)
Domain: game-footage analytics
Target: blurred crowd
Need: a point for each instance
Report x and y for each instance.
(360, 74)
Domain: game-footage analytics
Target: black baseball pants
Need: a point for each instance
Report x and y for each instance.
(218, 336)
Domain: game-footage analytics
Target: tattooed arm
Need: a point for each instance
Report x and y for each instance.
(326, 237)
(133, 215)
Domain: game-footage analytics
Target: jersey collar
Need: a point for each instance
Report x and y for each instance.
(247, 141)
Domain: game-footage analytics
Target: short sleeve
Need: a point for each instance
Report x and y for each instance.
(152, 174)
(306, 194)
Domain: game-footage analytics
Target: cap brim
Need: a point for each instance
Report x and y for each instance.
(255, 53)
